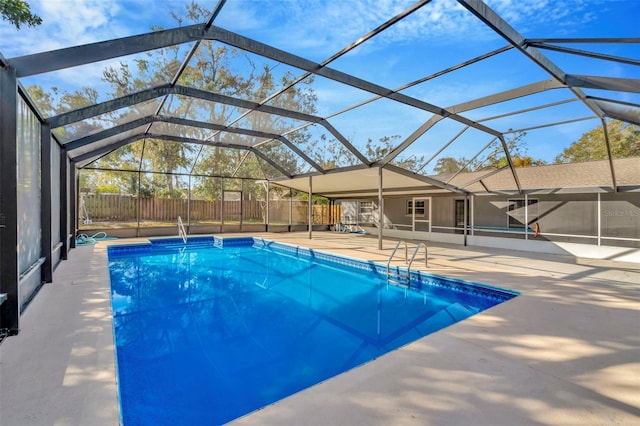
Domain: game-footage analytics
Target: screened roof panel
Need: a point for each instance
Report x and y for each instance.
(168, 156)
(282, 159)
(320, 96)
(499, 73)
(220, 68)
(580, 64)
(110, 143)
(444, 139)
(528, 120)
(96, 82)
(322, 147)
(267, 122)
(180, 130)
(471, 150)
(436, 36)
(226, 162)
(85, 22)
(382, 76)
(98, 123)
(633, 98)
(517, 100)
(125, 158)
(194, 108)
(369, 125)
(556, 19)
(314, 30)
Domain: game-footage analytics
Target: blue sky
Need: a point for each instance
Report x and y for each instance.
(439, 35)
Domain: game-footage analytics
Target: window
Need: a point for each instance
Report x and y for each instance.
(419, 207)
(516, 212)
(366, 207)
(366, 212)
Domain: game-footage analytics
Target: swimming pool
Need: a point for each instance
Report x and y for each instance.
(218, 328)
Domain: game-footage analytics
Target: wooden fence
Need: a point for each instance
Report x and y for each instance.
(124, 208)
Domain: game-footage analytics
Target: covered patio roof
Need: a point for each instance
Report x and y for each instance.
(587, 177)
(365, 182)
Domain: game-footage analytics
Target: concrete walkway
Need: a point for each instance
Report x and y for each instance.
(565, 352)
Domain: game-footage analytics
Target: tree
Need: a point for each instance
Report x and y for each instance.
(624, 139)
(449, 165)
(18, 12)
(516, 144)
(215, 68)
(384, 146)
(331, 154)
(495, 158)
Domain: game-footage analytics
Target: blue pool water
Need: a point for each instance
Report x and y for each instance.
(214, 330)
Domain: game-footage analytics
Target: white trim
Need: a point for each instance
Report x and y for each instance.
(415, 201)
(599, 220)
(526, 216)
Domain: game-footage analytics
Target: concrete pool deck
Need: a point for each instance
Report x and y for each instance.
(565, 352)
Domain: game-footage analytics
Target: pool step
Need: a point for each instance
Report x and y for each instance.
(400, 278)
(174, 243)
(409, 262)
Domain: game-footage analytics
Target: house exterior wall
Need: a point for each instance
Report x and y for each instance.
(443, 213)
(620, 217)
(395, 210)
(611, 219)
(571, 217)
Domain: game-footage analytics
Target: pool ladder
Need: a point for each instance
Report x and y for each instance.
(181, 231)
(399, 277)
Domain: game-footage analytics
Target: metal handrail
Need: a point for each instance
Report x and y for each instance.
(421, 244)
(181, 231)
(393, 253)
(408, 262)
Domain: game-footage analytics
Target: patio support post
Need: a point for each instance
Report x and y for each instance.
(241, 202)
(266, 216)
(64, 203)
(45, 202)
(465, 213)
(189, 204)
(526, 216)
(290, 208)
(599, 220)
(221, 204)
(380, 209)
(139, 202)
(10, 308)
(473, 218)
(310, 205)
(73, 207)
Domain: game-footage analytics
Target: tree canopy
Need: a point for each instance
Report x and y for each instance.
(494, 157)
(18, 12)
(624, 139)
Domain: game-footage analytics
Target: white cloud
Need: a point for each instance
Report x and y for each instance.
(529, 15)
(67, 23)
(64, 23)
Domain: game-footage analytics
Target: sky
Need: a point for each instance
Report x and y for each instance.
(437, 36)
